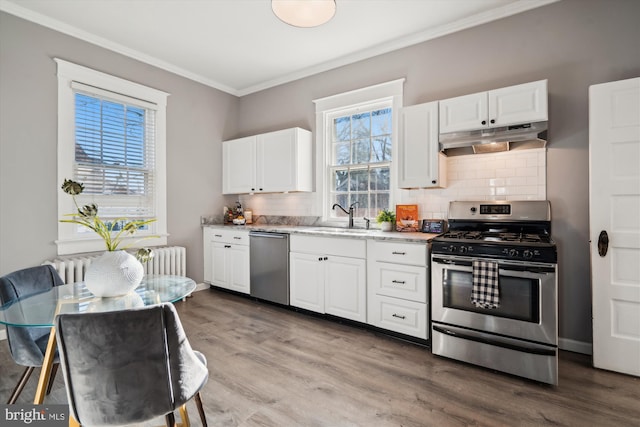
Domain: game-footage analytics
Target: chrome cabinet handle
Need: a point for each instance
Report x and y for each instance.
(402, 282)
(398, 253)
(217, 235)
(398, 316)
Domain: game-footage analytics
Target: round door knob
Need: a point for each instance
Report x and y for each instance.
(484, 122)
(473, 209)
(493, 121)
(434, 181)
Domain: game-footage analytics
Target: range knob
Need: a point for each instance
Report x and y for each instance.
(527, 254)
(513, 253)
(463, 249)
(452, 248)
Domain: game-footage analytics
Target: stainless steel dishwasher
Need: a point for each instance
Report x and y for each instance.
(269, 261)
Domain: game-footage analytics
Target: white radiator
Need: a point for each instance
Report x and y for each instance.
(167, 260)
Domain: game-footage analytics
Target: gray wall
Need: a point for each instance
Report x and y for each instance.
(573, 43)
(199, 117)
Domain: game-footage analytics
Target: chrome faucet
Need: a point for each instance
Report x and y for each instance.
(349, 212)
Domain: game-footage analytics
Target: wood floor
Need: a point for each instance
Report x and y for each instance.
(270, 366)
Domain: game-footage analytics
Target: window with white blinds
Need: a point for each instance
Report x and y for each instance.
(115, 154)
(111, 138)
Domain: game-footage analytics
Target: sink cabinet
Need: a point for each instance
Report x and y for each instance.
(398, 287)
(271, 162)
(328, 275)
(226, 259)
(525, 103)
(421, 164)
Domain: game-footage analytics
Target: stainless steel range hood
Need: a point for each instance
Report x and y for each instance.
(529, 135)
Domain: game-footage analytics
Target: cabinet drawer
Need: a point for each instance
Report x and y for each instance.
(237, 237)
(401, 281)
(399, 253)
(405, 317)
(352, 248)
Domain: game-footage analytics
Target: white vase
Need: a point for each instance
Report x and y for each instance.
(113, 274)
(385, 226)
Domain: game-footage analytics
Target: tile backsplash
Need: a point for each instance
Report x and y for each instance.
(511, 175)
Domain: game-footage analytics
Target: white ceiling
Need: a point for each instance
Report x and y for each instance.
(240, 47)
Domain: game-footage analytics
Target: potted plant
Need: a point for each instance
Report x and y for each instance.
(116, 272)
(386, 219)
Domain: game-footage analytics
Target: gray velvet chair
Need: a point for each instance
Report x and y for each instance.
(129, 366)
(27, 345)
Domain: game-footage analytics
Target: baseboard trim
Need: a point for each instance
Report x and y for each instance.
(201, 287)
(575, 346)
(3, 334)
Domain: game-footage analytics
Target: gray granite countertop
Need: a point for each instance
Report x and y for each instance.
(353, 233)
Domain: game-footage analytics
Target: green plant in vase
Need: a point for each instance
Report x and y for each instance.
(386, 219)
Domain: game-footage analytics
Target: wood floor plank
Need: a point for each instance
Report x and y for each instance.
(271, 366)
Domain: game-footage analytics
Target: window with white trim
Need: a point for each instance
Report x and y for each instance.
(361, 159)
(356, 134)
(111, 137)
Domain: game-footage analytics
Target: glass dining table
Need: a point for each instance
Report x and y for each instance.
(41, 309)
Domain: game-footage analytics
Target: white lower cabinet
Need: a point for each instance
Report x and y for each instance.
(398, 287)
(227, 259)
(328, 275)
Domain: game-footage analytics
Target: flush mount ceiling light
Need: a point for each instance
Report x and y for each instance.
(304, 13)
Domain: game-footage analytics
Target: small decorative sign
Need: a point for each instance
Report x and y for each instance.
(407, 218)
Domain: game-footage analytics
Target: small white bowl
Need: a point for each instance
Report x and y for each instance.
(237, 221)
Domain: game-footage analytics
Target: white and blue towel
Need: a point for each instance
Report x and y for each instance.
(485, 292)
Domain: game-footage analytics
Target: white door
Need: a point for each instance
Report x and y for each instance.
(276, 161)
(419, 146)
(614, 207)
(219, 270)
(239, 165)
(462, 113)
(306, 275)
(346, 288)
(518, 104)
(238, 268)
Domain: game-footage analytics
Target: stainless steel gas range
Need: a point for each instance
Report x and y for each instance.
(494, 288)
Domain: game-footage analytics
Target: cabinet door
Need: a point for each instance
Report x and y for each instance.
(306, 280)
(525, 103)
(239, 167)
(463, 113)
(419, 148)
(219, 273)
(238, 268)
(346, 288)
(208, 250)
(276, 161)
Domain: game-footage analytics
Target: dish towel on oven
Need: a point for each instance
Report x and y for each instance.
(485, 293)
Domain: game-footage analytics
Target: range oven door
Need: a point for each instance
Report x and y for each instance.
(528, 294)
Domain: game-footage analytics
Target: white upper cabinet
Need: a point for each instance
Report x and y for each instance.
(267, 163)
(525, 103)
(421, 163)
(239, 167)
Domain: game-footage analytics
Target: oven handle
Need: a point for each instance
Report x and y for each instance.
(525, 349)
(503, 266)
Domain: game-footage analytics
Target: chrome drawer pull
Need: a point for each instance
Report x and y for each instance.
(398, 253)
(237, 238)
(217, 235)
(402, 282)
(398, 316)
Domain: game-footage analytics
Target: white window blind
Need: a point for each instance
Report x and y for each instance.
(115, 152)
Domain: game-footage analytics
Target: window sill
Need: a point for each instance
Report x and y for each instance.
(76, 246)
